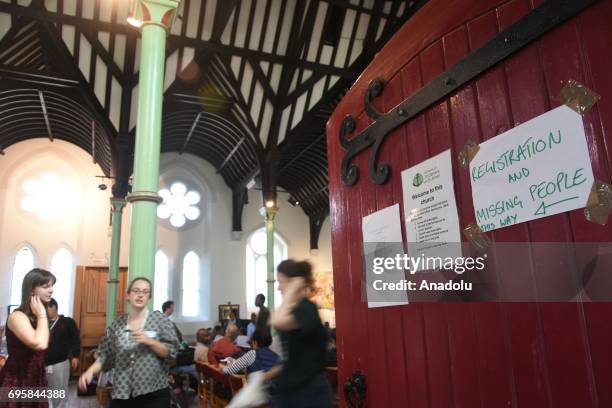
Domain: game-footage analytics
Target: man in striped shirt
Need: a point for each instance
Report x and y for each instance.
(260, 358)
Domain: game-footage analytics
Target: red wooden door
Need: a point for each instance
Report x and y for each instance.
(91, 295)
(479, 354)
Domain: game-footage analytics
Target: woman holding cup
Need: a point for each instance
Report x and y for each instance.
(139, 346)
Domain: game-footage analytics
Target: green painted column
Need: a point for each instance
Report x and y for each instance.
(117, 205)
(156, 17)
(270, 214)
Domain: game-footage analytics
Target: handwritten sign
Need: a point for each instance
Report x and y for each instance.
(537, 169)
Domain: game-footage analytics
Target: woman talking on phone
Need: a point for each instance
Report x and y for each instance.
(27, 337)
(139, 346)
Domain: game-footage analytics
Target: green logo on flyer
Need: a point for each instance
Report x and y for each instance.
(417, 180)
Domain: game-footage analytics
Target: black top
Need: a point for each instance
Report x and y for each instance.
(64, 339)
(179, 335)
(263, 318)
(304, 347)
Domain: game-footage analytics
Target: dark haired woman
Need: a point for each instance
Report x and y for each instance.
(27, 337)
(139, 346)
(302, 382)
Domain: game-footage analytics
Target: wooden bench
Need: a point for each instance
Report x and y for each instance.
(205, 385)
(211, 381)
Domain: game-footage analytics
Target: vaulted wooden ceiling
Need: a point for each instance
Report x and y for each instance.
(243, 78)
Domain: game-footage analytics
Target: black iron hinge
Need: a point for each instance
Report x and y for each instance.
(538, 22)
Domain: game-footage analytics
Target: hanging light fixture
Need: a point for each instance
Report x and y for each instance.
(293, 201)
(133, 19)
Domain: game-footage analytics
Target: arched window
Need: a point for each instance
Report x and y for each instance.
(257, 265)
(190, 294)
(24, 262)
(160, 289)
(61, 267)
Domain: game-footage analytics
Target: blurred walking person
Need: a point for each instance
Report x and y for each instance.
(301, 378)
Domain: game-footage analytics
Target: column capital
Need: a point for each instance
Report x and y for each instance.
(117, 204)
(156, 12)
(268, 212)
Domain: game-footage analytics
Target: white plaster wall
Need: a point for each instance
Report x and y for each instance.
(85, 230)
(84, 227)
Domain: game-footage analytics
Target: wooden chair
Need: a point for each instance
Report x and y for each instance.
(236, 382)
(205, 385)
(221, 384)
(212, 381)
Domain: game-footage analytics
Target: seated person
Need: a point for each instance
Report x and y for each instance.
(203, 341)
(217, 334)
(224, 347)
(167, 310)
(230, 320)
(180, 396)
(200, 353)
(243, 341)
(261, 358)
(251, 326)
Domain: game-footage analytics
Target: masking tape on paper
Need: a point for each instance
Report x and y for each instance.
(599, 203)
(477, 237)
(578, 97)
(468, 153)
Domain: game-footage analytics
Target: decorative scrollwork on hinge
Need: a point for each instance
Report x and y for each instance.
(373, 135)
(375, 88)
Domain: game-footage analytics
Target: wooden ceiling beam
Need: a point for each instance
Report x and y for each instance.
(105, 56)
(36, 77)
(300, 89)
(193, 126)
(373, 24)
(231, 154)
(261, 77)
(223, 12)
(234, 83)
(45, 114)
(335, 91)
(122, 167)
(247, 178)
(53, 44)
(180, 41)
(349, 6)
(289, 69)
